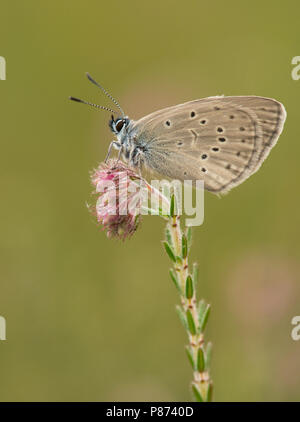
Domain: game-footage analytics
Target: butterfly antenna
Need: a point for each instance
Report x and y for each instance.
(106, 93)
(78, 100)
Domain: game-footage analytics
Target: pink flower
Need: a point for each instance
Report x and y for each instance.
(119, 190)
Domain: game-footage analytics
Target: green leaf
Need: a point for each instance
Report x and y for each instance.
(197, 393)
(169, 237)
(175, 280)
(195, 273)
(209, 392)
(191, 322)
(184, 247)
(189, 235)
(208, 352)
(169, 251)
(172, 206)
(200, 360)
(201, 308)
(178, 260)
(190, 356)
(189, 288)
(203, 321)
(182, 317)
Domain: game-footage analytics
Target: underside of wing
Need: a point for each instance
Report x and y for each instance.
(221, 140)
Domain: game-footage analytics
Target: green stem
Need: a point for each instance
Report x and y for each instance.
(193, 316)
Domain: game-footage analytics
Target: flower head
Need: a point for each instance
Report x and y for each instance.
(119, 190)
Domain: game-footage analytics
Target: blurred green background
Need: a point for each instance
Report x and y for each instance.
(93, 319)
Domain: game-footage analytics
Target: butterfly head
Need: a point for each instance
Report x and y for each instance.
(119, 125)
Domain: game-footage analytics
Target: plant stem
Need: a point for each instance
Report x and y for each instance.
(193, 316)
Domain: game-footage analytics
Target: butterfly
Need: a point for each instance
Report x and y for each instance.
(220, 140)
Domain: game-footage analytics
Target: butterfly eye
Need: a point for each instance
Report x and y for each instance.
(119, 125)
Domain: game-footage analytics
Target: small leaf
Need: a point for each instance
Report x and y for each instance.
(195, 273)
(201, 308)
(191, 322)
(200, 360)
(172, 206)
(197, 393)
(203, 321)
(184, 247)
(169, 251)
(209, 392)
(182, 317)
(190, 356)
(189, 288)
(208, 352)
(168, 236)
(175, 280)
(189, 235)
(178, 260)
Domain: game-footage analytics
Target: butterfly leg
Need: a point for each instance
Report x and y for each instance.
(120, 151)
(112, 144)
(138, 164)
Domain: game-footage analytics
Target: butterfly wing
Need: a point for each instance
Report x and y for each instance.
(221, 140)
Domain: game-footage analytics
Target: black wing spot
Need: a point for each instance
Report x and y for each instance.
(238, 153)
(193, 114)
(215, 149)
(222, 139)
(203, 122)
(242, 128)
(168, 123)
(220, 129)
(231, 116)
(179, 143)
(203, 169)
(204, 156)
